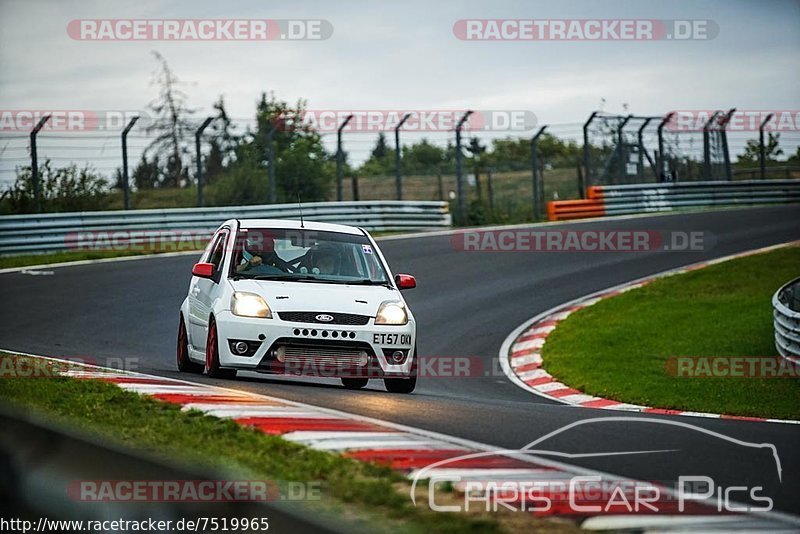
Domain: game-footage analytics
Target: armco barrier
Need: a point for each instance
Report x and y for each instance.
(644, 198)
(786, 306)
(52, 231)
(41, 462)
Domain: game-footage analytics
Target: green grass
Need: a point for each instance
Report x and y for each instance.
(168, 197)
(25, 260)
(364, 491)
(619, 348)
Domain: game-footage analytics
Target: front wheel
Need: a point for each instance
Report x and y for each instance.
(185, 365)
(403, 385)
(212, 354)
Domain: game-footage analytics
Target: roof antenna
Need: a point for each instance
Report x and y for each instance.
(299, 205)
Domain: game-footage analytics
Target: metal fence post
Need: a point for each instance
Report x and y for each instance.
(762, 159)
(707, 147)
(398, 171)
(126, 195)
(201, 200)
(587, 152)
(620, 152)
(489, 180)
(725, 153)
(661, 158)
(354, 185)
(460, 170)
(536, 183)
(340, 157)
(271, 186)
(640, 139)
(37, 187)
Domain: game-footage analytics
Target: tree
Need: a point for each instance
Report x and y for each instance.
(146, 174)
(380, 161)
(222, 142)
(170, 123)
(752, 151)
(62, 189)
(381, 149)
(302, 166)
(422, 157)
(794, 159)
(515, 154)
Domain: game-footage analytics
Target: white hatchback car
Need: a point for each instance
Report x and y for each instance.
(315, 299)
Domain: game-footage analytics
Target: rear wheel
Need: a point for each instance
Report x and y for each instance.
(403, 385)
(212, 354)
(185, 365)
(354, 383)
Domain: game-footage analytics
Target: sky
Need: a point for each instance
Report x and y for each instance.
(405, 55)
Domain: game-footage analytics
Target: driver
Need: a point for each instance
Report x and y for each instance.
(259, 257)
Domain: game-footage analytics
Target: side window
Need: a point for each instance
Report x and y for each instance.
(212, 243)
(218, 251)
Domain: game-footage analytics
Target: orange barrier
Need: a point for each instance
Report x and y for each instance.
(563, 210)
(595, 192)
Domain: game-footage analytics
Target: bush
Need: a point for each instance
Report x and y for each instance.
(241, 185)
(62, 189)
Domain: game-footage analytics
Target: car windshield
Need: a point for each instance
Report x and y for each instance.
(306, 255)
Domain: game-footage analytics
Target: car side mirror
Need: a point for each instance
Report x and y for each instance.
(405, 281)
(203, 270)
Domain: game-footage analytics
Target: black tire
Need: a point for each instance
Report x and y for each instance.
(185, 365)
(354, 383)
(403, 385)
(212, 354)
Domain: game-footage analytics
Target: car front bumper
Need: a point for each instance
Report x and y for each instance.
(315, 349)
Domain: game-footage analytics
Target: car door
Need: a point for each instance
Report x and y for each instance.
(202, 291)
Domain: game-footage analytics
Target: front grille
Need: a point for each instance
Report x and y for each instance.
(300, 356)
(338, 318)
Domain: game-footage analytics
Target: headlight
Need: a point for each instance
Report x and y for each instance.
(249, 305)
(391, 312)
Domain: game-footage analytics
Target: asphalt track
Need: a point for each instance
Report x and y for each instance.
(466, 303)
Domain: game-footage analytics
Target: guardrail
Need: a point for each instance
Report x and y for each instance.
(644, 198)
(786, 306)
(41, 462)
(57, 231)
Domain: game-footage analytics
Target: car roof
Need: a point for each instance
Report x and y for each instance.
(293, 224)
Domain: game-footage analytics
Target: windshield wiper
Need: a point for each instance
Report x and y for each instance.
(292, 277)
(368, 282)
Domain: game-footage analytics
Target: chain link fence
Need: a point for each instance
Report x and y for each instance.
(507, 174)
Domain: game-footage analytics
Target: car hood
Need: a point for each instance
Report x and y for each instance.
(309, 296)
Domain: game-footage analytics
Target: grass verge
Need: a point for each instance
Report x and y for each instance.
(364, 491)
(30, 260)
(621, 348)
